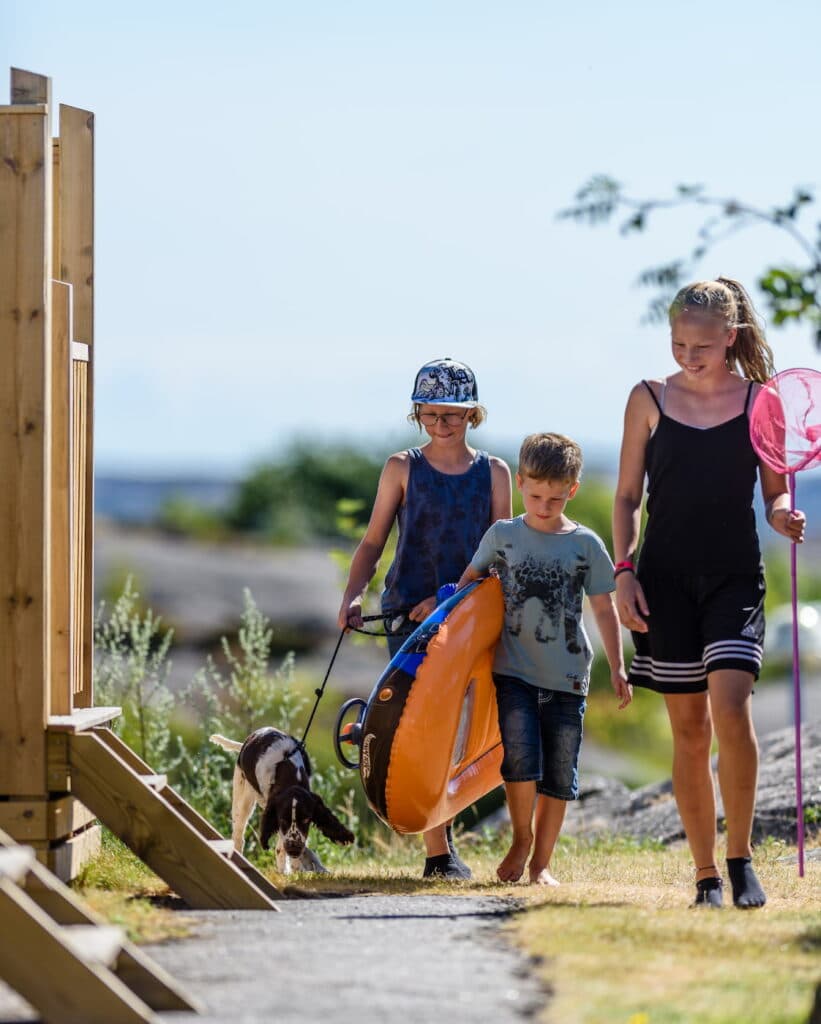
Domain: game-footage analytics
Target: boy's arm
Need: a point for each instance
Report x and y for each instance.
(604, 609)
(468, 576)
(482, 559)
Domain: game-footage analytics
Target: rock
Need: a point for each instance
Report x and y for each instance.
(606, 806)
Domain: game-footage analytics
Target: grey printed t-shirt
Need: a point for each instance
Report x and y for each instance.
(544, 577)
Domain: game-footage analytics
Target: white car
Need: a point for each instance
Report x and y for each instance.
(778, 639)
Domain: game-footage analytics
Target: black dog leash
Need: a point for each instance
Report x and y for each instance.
(367, 632)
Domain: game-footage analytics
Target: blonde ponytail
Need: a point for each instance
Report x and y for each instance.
(728, 301)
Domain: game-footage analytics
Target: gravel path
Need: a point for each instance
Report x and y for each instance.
(362, 958)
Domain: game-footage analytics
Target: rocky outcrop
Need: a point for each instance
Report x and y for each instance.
(607, 807)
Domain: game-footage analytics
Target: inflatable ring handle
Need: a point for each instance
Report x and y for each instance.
(353, 702)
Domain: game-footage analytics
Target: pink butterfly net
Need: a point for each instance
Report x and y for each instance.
(785, 430)
(785, 422)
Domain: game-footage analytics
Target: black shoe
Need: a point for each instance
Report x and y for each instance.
(445, 866)
(709, 893)
(747, 891)
(454, 855)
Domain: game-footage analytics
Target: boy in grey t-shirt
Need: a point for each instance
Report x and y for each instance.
(546, 563)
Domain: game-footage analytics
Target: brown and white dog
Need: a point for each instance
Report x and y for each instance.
(273, 770)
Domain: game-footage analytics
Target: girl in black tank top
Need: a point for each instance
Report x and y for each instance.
(694, 601)
(700, 484)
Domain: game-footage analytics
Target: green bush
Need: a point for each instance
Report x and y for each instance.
(171, 732)
(296, 497)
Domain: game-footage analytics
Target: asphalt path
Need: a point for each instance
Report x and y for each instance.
(361, 958)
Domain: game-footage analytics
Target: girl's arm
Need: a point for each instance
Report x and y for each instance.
(501, 497)
(777, 505)
(610, 631)
(389, 496)
(639, 418)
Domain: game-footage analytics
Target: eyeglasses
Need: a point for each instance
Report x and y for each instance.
(450, 419)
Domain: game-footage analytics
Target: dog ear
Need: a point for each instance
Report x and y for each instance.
(269, 825)
(329, 825)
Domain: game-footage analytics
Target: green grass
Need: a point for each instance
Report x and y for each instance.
(616, 943)
(619, 943)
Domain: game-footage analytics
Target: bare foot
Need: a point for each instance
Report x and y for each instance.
(512, 867)
(541, 876)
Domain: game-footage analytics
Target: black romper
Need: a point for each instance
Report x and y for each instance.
(700, 561)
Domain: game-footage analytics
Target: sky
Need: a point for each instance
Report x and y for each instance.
(298, 204)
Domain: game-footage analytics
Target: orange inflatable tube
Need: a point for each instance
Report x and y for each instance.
(429, 733)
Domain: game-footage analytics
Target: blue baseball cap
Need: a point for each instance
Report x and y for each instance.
(446, 382)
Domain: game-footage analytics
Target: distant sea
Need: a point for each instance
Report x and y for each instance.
(138, 501)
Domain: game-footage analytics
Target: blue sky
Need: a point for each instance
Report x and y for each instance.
(298, 204)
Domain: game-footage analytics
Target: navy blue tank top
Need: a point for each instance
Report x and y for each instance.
(700, 484)
(442, 520)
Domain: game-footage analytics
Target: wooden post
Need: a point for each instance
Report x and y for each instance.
(60, 683)
(76, 244)
(25, 284)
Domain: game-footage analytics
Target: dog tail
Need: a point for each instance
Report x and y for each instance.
(224, 742)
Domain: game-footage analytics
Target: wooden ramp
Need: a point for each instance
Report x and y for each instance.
(154, 821)
(64, 961)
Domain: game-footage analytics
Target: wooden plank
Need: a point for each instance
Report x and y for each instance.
(77, 992)
(28, 87)
(32, 108)
(144, 977)
(66, 815)
(43, 820)
(123, 751)
(156, 832)
(57, 764)
(83, 718)
(78, 513)
(95, 943)
(24, 820)
(55, 204)
(15, 862)
(77, 208)
(66, 858)
(151, 983)
(222, 846)
(253, 874)
(60, 692)
(193, 817)
(77, 267)
(25, 276)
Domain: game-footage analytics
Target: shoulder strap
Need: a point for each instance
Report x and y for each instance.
(653, 396)
(749, 396)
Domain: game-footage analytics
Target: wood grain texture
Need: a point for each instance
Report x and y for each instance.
(77, 992)
(61, 548)
(25, 276)
(77, 268)
(156, 832)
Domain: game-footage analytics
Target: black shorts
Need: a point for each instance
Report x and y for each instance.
(697, 625)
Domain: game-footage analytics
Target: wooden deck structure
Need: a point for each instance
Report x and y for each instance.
(95, 975)
(61, 767)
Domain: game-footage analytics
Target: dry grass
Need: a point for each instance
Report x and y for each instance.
(119, 887)
(616, 943)
(619, 943)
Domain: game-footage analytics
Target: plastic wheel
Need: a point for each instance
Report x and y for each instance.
(350, 732)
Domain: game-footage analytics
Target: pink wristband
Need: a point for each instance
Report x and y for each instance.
(626, 564)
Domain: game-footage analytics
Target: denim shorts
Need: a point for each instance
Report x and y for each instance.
(541, 736)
